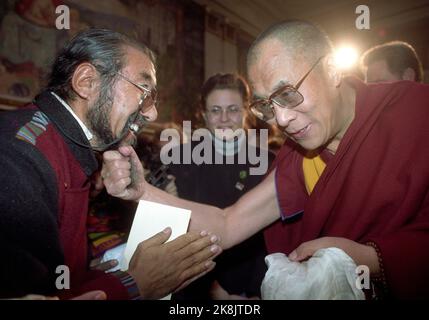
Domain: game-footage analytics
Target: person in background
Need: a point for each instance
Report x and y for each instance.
(223, 105)
(391, 61)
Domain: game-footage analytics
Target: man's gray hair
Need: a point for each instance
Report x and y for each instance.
(102, 48)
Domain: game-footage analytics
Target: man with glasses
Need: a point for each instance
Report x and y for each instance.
(100, 92)
(352, 174)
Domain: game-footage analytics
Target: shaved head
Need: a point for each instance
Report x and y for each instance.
(300, 39)
(297, 55)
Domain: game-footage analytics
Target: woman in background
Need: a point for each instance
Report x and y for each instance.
(223, 106)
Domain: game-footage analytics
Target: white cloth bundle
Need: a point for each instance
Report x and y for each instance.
(330, 274)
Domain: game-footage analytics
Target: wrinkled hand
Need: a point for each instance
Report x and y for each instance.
(123, 174)
(360, 253)
(160, 268)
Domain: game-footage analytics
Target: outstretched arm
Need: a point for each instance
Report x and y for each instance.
(123, 177)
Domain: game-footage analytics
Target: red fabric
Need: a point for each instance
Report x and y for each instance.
(374, 188)
(73, 195)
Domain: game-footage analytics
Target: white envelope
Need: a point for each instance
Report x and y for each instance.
(151, 218)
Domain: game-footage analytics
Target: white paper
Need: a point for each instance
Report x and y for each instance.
(151, 218)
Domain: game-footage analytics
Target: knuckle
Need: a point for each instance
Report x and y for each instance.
(300, 249)
(188, 238)
(122, 184)
(107, 155)
(120, 173)
(183, 276)
(194, 247)
(193, 260)
(116, 164)
(141, 246)
(201, 268)
(173, 256)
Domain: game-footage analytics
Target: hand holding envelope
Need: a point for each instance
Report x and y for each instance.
(159, 266)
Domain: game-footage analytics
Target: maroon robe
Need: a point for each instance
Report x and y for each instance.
(375, 188)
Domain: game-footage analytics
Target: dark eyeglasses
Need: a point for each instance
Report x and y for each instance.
(148, 100)
(287, 97)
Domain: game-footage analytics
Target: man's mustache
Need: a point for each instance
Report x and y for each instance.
(135, 122)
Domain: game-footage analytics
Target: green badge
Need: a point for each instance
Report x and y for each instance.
(243, 174)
